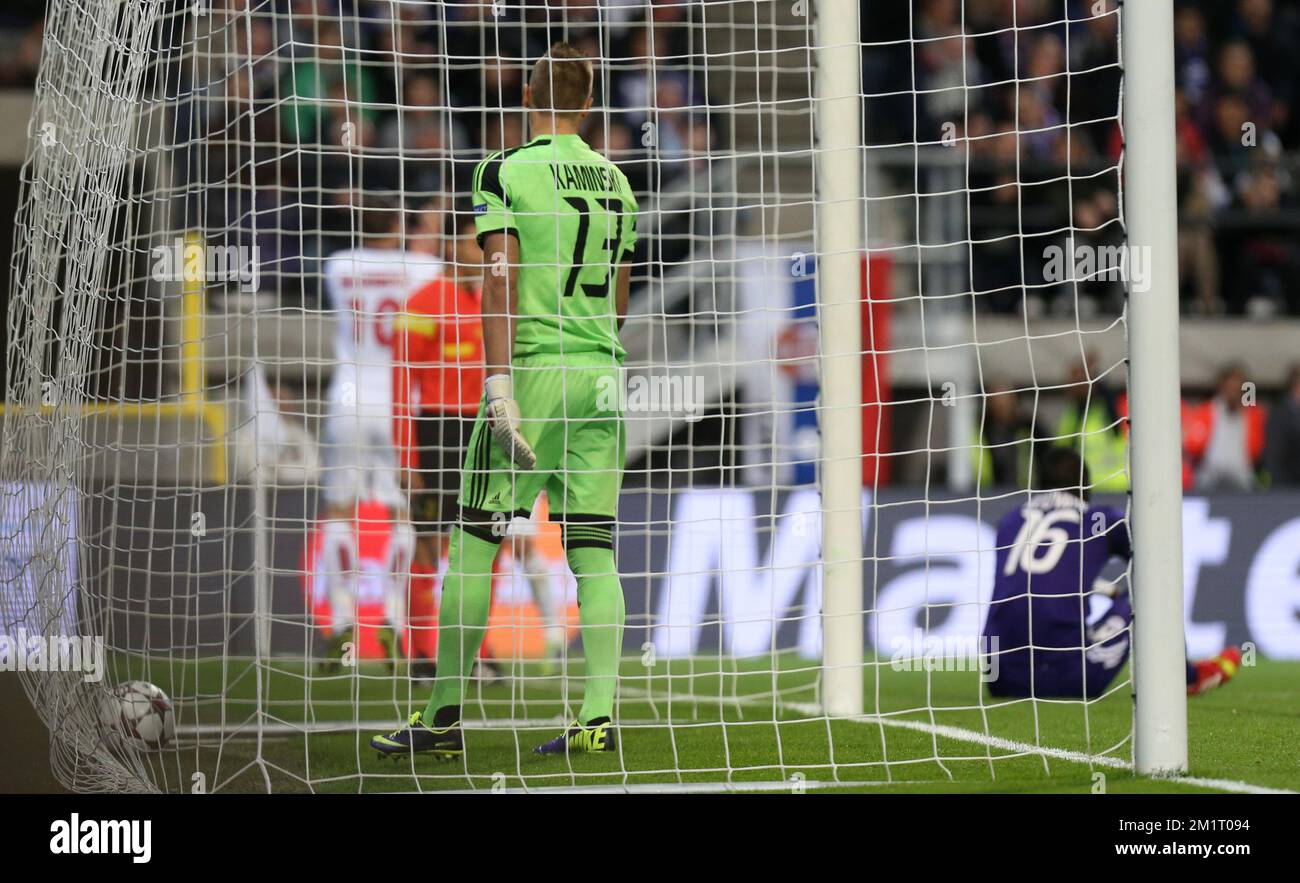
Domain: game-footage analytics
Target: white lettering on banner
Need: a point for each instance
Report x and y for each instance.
(946, 594)
(713, 538)
(1273, 593)
(1205, 543)
(790, 556)
(940, 571)
(714, 543)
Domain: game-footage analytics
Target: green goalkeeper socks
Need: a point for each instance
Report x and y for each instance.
(600, 612)
(462, 617)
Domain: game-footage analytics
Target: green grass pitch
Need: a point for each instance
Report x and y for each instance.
(735, 724)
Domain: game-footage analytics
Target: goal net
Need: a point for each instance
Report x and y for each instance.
(859, 319)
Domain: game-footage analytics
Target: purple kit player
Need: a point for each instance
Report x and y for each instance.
(1050, 552)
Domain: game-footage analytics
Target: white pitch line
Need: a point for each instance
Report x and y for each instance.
(810, 709)
(688, 787)
(1105, 760)
(284, 728)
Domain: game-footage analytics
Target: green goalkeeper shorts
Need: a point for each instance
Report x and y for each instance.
(572, 416)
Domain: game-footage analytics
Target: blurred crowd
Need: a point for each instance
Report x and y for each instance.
(1035, 95)
(1233, 439)
(310, 108)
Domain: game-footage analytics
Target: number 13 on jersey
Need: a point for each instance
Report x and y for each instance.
(602, 259)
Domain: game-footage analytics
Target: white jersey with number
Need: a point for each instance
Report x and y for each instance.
(366, 288)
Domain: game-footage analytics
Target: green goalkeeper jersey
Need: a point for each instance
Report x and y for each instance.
(574, 216)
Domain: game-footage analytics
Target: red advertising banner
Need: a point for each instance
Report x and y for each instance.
(515, 626)
(877, 311)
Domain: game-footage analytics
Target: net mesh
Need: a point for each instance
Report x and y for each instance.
(174, 358)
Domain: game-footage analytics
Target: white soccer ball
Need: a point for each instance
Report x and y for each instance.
(140, 712)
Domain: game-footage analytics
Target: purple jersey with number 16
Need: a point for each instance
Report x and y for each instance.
(1049, 553)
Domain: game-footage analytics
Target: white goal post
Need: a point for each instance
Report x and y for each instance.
(840, 219)
(1160, 707)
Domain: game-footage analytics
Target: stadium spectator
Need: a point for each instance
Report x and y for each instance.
(322, 73)
(1282, 435)
(1192, 54)
(1093, 98)
(503, 131)
(1091, 425)
(947, 67)
(1264, 269)
(425, 230)
(1271, 36)
(503, 83)
(1200, 192)
(615, 141)
(421, 98)
(1236, 75)
(1223, 438)
(1002, 451)
(261, 54)
(650, 62)
(1096, 227)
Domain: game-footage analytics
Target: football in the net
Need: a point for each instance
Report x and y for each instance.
(140, 712)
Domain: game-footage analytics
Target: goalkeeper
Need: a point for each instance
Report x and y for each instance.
(557, 223)
(1050, 551)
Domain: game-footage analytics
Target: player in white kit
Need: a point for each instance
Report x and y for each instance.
(365, 287)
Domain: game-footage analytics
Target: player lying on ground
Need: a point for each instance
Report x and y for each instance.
(1050, 551)
(557, 224)
(437, 384)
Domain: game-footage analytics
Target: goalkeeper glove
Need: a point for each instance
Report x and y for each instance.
(503, 419)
